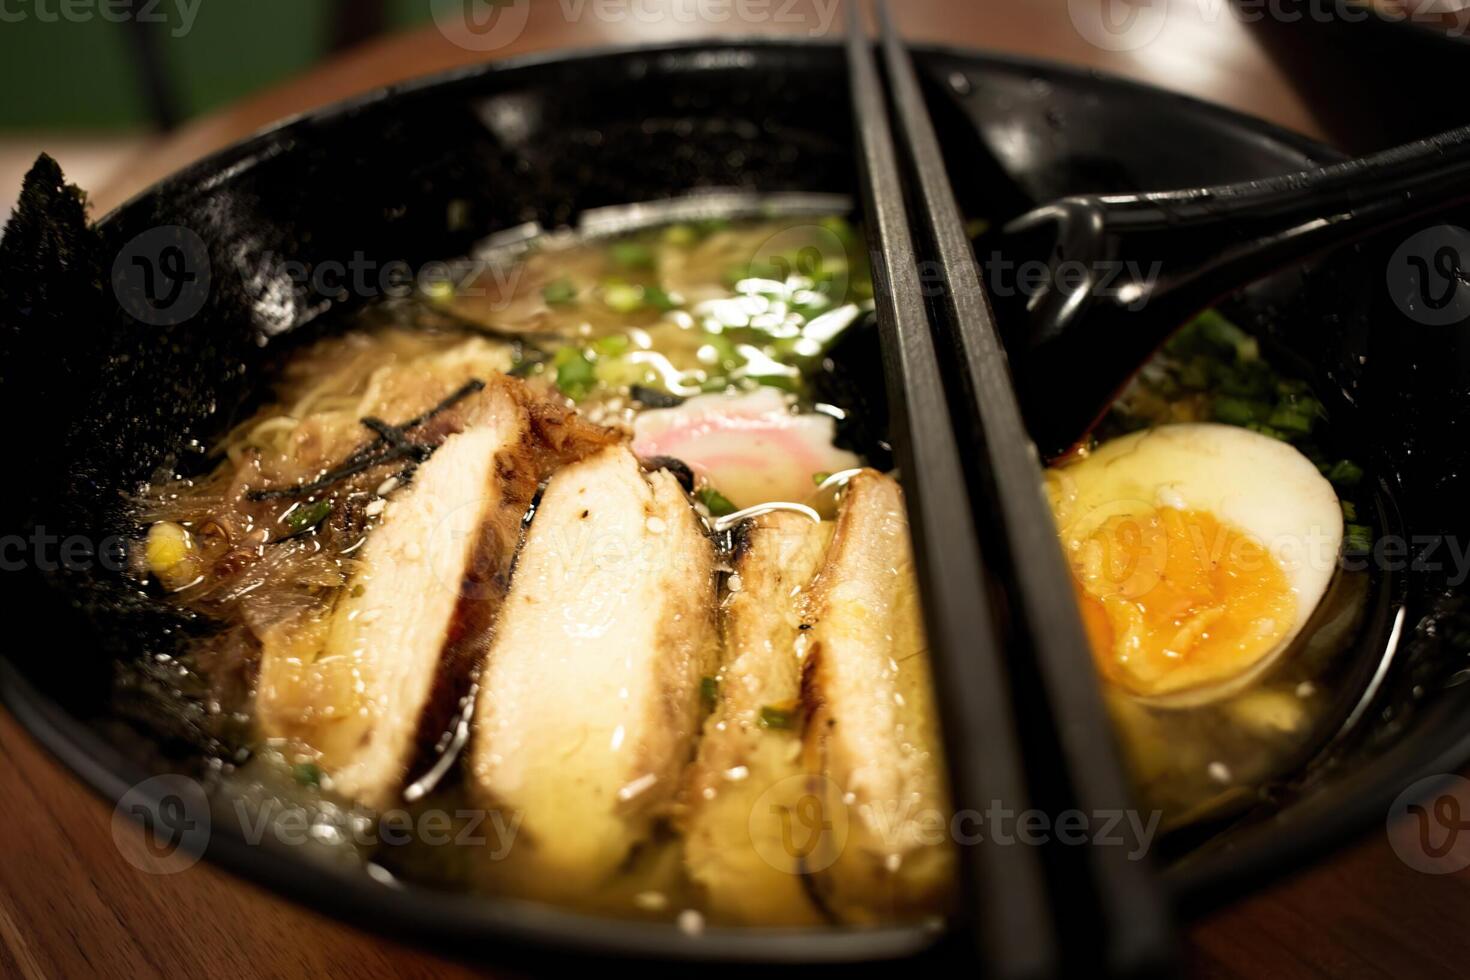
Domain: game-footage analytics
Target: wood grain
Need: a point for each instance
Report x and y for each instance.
(71, 906)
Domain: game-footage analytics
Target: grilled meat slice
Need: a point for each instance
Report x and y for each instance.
(871, 732)
(409, 624)
(590, 697)
(742, 846)
(373, 687)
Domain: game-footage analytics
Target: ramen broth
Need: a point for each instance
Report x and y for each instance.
(701, 343)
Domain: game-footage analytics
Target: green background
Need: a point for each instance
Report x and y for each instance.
(71, 75)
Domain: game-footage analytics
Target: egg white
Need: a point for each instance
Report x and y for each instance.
(1258, 485)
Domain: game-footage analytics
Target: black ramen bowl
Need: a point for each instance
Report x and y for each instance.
(99, 398)
(1372, 76)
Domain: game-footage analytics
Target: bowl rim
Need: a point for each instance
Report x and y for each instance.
(415, 912)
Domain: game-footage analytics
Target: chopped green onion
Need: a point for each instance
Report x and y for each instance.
(1197, 373)
(1357, 539)
(681, 235)
(1253, 379)
(1300, 401)
(1223, 335)
(621, 297)
(777, 718)
(1239, 411)
(1349, 510)
(658, 299)
(575, 375)
(708, 226)
(785, 382)
(715, 502)
(821, 478)
(631, 255)
(1345, 473)
(1292, 419)
(840, 227)
(559, 291)
(709, 691)
(777, 267)
(308, 516)
(307, 773)
(612, 345)
(617, 372)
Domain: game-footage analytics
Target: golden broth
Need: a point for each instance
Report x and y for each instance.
(614, 328)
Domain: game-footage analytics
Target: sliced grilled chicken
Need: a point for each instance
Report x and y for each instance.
(374, 686)
(405, 635)
(871, 731)
(742, 846)
(590, 696)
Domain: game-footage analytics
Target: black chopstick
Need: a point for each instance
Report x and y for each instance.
(1132, 926)
(1005, 885)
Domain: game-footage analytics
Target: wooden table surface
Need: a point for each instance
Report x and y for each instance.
(71, 906)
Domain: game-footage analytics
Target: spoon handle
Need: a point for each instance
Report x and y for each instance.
(1212, 240)
(1142, 264)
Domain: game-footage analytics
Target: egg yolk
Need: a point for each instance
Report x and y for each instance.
(1172, 599)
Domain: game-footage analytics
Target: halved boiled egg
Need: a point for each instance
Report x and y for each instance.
(1198, 552)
